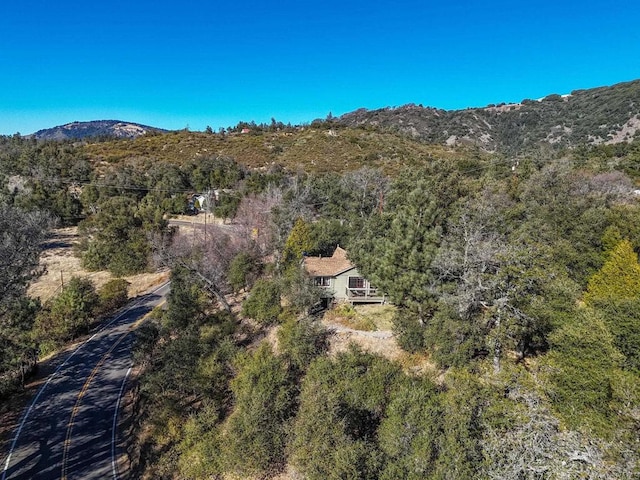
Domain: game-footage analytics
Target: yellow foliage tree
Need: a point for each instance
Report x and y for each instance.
(619, 277)
(298, 242)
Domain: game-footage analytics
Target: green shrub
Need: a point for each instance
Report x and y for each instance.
(256, 431)
(581, 366)
(300, 341)
(622, 318)
(113, 295)
(410, 432)
(263, 303)
(243, 271)
(69, 314)
(619, 277)
(342, 402)
(408, 331)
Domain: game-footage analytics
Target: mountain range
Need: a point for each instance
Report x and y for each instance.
(592, 116)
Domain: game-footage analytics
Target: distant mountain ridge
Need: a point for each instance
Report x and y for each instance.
(593, 116)
(95, 128)
(603, 115)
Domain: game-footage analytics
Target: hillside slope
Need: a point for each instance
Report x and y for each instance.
(593, 116)
(318, 149)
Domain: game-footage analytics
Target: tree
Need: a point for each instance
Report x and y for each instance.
(18, 346)
(619, 277)
(185, 303)
(207, 256)
(113, 295)
(255, 222)
(366, 189)
(70, 313)
(614, 291)
(493, 286)
(581, 367)
(21, 235)
(563, 209)
(298, 243)
(396, 248)
(263, 303)
(299, 291)
(115, 238)
(526, 440)
(244, 270)
(226, 207)
(256, 431)
(300, 341)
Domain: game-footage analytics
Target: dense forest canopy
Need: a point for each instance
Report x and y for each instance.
(516, 277)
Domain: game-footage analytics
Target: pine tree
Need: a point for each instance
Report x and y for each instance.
(619, 277)
(614, 291)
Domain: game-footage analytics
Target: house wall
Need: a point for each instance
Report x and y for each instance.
(341, 282)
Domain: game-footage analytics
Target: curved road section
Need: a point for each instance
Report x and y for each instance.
(69, 431)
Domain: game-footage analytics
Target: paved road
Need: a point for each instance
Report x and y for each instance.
(69, 431)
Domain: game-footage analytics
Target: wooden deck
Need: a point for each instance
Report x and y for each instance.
(364, 295)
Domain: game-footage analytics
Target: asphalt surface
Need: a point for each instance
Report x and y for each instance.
(69, 431)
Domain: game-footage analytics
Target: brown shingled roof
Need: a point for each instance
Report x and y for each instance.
(328, 266)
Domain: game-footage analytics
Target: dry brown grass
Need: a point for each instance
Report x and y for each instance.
(347, 316)
(378, 340)
(61, 265)
(200, 219)
(362, 317)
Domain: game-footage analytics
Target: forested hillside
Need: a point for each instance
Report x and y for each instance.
(320, 147)
(515, 281)
(593, 116)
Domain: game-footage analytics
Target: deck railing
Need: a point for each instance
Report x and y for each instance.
(362, 294)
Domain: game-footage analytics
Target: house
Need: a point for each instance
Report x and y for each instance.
(340, 279)
(196, 203)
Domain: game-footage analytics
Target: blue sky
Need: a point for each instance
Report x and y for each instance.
(195, 63)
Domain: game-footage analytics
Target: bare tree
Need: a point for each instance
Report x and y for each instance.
(207, 254)
(470, 256)
(21, 236)
(485, 276)
(368, 186)
(254, 220)
(535, 446)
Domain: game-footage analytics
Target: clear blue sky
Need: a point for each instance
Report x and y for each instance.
(193, 63)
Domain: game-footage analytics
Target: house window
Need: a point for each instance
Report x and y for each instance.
(356, 282)
(322, 281)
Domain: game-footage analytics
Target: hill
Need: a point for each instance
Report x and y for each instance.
(96, 128)
(312, 149)
(386, 137)
(594, 116)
